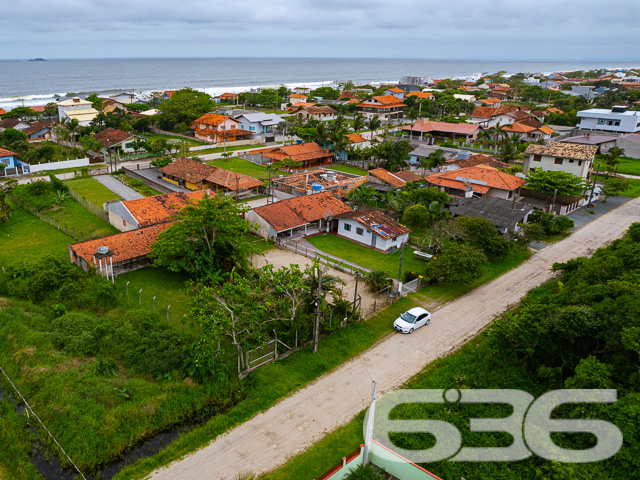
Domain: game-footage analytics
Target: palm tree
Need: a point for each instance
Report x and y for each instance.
(484, 137)
(366, 472)
(508, 152)
(498, 132)
(434, 159)
(330, 284)
(374, 123)
(363, 195)
(359, 122)
(339, 140)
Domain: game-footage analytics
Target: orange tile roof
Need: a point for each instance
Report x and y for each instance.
(491, 178)
(427, 126)
(233, 132)
(232, 180)
(478, 159)
(408, 176)
(7, 153)
(297, 95)
(299, 211)
(420, 94)
(354, 100)
(212, 119)
(490, 101)
(298, 105)
(2, 111)
(519, 128)
(378, 222)
(169, 93)
(125, 246)
(187, 169)
(373, 105)
(546, 129)
(387, 177)
(298, 152)
(112, 136)
(387, 99)
(229, 95)
(395, 90)
(355, 138)
(160, 208)
(554, 110)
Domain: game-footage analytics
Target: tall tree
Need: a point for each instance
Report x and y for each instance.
(184, 106)
(206, 236)
(363, 195)
(373, 124)
(547, 182)
(359, 122)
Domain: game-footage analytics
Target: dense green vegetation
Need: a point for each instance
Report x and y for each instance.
(581, 330)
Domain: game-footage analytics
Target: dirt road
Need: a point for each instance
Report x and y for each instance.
(267, 440)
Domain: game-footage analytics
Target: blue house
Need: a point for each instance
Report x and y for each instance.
(12, 166)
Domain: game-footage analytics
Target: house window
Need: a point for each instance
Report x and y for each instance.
(571, 160)
(347, 227)
(242, 126)
(360, 231)
(6, 161)
(601, 121)
(510, 195)
(558, 161)
(537, 158)
(252, 128)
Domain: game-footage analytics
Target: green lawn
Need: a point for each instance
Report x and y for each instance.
(26, 239)
(145, 190)
(633, 188)
(205, 151)
(628, 166)
(173, 139)
(66, 170)
(348, 169)
(168, 288)
(75, 215)
(92, 190)
(367, 257)
(239, 165)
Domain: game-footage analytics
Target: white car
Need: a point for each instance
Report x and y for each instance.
(412, 319)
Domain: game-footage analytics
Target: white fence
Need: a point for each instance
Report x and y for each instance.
(81, 162)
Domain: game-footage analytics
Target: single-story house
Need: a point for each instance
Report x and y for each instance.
(12, 166)
(13, 123)
(227, 97)
(298, 216)
(143, 212)
(423, 151)
(317, 112)
(477, 181)
(504, 214)
(260, 123)
(38, 132)
(464, 131)
(529, 133)
(564, 204)
(317, 181)
(603, 142)
(125, 251)
(195, 175)
(631, 145)
(421, 95)
(473, 161)
(310, 154)
(112, 138)
(372, 228)
(355, 141)
(383, 180)
(123, 98)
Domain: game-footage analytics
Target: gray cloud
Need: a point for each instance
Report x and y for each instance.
(499, 29)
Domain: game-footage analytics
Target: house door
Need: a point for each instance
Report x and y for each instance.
(373, 240)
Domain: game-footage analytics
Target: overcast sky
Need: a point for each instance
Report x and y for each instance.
(449, 29)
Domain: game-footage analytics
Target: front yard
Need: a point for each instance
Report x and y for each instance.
(244, 167)
(368, 257)
(92, 190)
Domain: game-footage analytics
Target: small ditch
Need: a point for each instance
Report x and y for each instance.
(51, 469)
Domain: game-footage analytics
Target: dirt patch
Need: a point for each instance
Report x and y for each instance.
(4, 302)
(281, 258)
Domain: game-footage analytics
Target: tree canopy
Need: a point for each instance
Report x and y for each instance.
(547, 182)
(206, 237)
(184, 106)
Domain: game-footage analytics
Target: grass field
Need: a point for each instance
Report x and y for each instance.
(348, 169)
(239, 165)
(173, 139)
(75, 215)
(145, 190)
(367, 257)
(26, 239)
(233, 148)
(92, 190)
(633, 186)
(628, 166)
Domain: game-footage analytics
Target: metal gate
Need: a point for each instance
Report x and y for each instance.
(409, 287)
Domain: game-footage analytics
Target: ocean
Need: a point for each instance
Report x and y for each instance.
(38, 83)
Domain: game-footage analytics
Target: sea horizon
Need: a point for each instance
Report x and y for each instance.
(30, 83)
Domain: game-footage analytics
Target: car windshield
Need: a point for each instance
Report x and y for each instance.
(407, 317)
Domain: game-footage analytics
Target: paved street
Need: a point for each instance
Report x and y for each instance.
(288, 428)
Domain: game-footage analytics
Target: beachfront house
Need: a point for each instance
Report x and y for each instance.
(77, 108)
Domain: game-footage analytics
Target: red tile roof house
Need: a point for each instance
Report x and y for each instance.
(298, 216)
(310, 154)
(194, 175)
(372, 228)
(112, 138)
(143, 212)
(384, 181)
(214, 128)
(388, 108)
(38, 132)
(125, 251)
(477, 181)
(454, 131)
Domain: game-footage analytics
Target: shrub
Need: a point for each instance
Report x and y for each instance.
(136, 183)
(416, 216)
(377, 280)
(634, 232)
(162, 161)
(39, 187)
(75, 334)
(552, 224)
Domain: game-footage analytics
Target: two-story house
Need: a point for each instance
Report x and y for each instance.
(618, 120)
(388, 108)
(260, 123)
(214, 128)
(563, 157)
(77, 108)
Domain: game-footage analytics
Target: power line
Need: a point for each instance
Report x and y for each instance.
(43, 425)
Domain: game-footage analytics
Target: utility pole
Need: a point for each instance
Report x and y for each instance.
(316, 325)
(400, 270)
(553, 203)
(594, 186)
